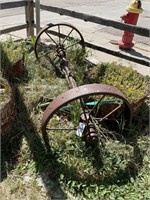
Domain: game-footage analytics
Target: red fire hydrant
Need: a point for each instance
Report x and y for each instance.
(134, 9)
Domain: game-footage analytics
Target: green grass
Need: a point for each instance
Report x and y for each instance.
(132, 84)
(118, 170)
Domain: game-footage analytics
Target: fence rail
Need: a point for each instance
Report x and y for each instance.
(98, 20)
(30, 25)
(15, 28)
(10, 5)
(13, 4)
(29, 15)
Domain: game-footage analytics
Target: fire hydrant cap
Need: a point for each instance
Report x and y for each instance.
(134, 7)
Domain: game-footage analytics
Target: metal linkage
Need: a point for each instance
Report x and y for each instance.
(84, 109)
(65, 68)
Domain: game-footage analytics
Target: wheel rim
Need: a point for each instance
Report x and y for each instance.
(55, 37)
(83, 110)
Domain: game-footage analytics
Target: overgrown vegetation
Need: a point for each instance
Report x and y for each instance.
(130, 82)
(118, 170)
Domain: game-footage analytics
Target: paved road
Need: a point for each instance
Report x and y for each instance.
(110, 9)
(101, 35)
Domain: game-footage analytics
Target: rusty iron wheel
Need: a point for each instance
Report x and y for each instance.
(84, 109)
(55, 37)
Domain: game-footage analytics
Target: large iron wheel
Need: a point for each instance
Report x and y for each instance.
(54, 38)
(84, 110)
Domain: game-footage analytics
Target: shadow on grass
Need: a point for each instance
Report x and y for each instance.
(10, 150)
(25, 128)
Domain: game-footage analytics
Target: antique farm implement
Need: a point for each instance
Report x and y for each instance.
(82, 109)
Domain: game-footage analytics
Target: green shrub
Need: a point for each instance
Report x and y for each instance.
(132, 84)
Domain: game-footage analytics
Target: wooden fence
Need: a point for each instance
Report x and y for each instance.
(29, 14)
(29, 25)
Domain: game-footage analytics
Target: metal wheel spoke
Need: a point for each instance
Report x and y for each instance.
(67, 36)
(98, 103)
(45, 54)
(50, 51)
(73, 44)
(110, 113)
(59, 34)
(51, 38)
(47, 47)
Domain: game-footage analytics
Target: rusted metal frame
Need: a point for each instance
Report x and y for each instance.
(29, 14)
(70, 79)
(78, 96)
(65, 68)
(98, 20)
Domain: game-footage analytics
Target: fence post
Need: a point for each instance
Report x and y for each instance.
(37, 8)
(29, 13)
